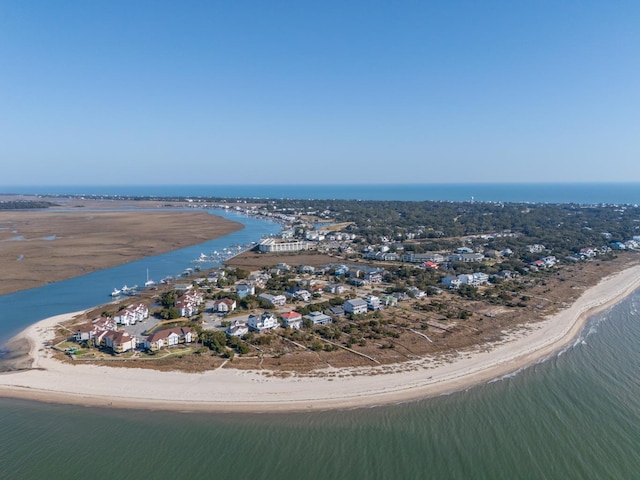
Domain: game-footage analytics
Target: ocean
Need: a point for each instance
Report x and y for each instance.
(587, 193)
(575, 415)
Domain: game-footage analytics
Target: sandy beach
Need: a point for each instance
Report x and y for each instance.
(228, 389)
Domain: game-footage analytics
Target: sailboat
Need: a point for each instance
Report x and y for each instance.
(149, 283)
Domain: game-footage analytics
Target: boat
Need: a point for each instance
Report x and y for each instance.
(129, 290)
(149, 283)
(116, 292)
(202, 258)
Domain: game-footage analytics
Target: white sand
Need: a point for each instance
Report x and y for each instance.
(236, 390)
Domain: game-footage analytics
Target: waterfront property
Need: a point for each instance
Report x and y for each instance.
(169, 337)
(271, 245)
(119, 342)
(132, 314)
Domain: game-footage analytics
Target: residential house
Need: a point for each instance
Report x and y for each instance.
(474, 279)
(451, 282)
(132, 314)
(245, 289)
(292, 320)
(423, 257)
(374, 276)
(224, 305)
(84, 333)
(186, 308)
(341, 270)
(237, 329)
(119, 342)
(388, 300)
(263, 323)
(535, 248)
(319, 318)
(169, 337)
(335, 311)
(373, 302)
(272, 245)
(416, 292)
(336, 288)
(194, 297)
(182, 287)
(95, 330)
(355, 306)
(466, 257)
(275, 300)
(297, 292)
(400, 296)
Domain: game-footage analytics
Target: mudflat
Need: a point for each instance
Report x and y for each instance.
(43, 246)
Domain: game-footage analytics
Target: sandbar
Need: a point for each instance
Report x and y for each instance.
(228, 389)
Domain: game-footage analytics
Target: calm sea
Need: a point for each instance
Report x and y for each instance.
(574, 416)
(618, 193)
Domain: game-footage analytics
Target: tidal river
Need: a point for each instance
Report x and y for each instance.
(574, 416)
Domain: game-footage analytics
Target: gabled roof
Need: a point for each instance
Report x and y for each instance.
(162, 334)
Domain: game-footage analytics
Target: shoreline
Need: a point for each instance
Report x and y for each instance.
(230, 390)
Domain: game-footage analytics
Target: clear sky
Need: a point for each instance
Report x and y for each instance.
(269, 91)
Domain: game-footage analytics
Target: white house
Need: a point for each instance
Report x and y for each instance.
(271, 245)
(186, 308)
(224, 305)
(319, 318)
(237, 329)
(335, 288)
(355, 306)
(244, 289)
(265, 322)
(275, 300)
(452, 282)
(292, 319)
(132, 314)
(373, 302)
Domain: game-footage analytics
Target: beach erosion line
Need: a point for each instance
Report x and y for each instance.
(227, 389)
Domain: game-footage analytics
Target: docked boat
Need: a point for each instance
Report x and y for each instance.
(116, 292)
(149, 282)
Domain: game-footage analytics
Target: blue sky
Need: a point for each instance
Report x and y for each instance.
(189, 92)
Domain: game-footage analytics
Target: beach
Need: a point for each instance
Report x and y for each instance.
(228, 389)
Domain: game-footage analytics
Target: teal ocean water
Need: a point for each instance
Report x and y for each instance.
(589, 193)
(573, 416)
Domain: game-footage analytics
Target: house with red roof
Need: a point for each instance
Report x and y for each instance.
(292, 319)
